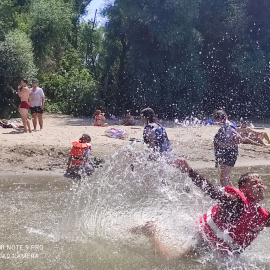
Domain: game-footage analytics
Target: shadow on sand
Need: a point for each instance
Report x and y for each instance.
(87, 121)
(16, 131)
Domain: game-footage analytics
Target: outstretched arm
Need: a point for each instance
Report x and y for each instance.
(204, 184)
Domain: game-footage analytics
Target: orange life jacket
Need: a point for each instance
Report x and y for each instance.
(77, 152)
(237, 235)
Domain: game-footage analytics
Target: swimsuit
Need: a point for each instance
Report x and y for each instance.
(36, 109)
(225, 155)
(98, 122)
(24, 105)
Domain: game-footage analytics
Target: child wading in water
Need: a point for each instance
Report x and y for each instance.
(99, 118)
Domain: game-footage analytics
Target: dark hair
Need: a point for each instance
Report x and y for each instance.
(245, 177)
(149, 114)
(244, 124)
(85, 137)
(219, 115)
(24, 80)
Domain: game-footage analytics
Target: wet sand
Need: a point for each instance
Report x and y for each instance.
(47, 151)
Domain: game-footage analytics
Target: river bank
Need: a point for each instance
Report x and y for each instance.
(48, 150)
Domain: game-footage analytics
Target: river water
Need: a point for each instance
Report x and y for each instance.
(51, 222)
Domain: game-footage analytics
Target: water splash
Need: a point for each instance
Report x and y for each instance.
(120, 197)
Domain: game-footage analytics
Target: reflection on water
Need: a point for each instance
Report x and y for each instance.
(86, 224)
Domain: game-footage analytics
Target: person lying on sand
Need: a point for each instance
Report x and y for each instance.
(79, 159)
(231, 226)
(253, 137)
(99, 118)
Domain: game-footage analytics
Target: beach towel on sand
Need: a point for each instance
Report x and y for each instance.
(116, 133)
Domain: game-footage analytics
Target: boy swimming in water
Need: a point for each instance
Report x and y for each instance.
(231, 225)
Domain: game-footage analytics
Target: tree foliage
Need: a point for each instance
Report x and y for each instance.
(16, 57)
(178, 56)
(70, 90)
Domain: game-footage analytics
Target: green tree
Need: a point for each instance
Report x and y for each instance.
(152, 55)
(16, 62)
(50, 25)
(16, 57)
(72, 89)
(7, 17)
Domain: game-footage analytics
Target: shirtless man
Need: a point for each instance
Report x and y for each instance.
(23, 93)
(252, 137)
(232, 225)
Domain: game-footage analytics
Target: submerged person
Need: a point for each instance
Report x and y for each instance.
(226, 146)
(79, 159)
(232, 225)
(99, 117)
(154, 135)
(24, 93)
(253, 137)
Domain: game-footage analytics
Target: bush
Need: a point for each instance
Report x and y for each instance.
(16, 57)
(71, 90)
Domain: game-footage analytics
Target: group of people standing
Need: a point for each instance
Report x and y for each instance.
(33, 99)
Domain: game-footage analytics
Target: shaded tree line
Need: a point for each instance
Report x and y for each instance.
(177, 56)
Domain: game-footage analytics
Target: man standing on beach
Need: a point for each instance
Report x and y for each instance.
(37, 100)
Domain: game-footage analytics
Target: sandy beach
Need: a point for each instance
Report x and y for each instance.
(47, 151)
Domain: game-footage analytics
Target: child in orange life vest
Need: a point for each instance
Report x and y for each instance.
(79, 159)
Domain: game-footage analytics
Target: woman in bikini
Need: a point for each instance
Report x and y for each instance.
(23, 93)
(98, 118)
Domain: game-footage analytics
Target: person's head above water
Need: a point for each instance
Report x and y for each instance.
(220, 116)
(252, 186)
(148, 115)
(85, 138)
